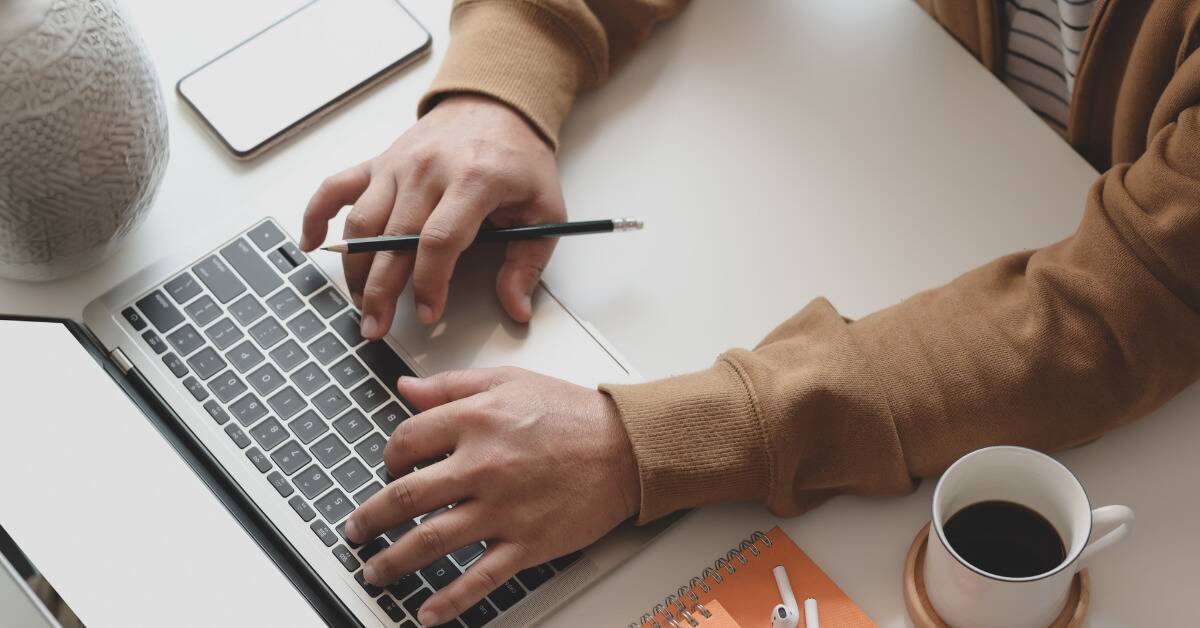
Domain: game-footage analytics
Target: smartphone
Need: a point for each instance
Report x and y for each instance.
(285, 78)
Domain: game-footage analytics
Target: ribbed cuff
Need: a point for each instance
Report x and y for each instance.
(518, 53)
(697, 440)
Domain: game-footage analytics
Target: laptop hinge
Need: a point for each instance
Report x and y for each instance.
(121, 360)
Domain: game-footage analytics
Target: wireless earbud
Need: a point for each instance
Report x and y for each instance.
(787, 614)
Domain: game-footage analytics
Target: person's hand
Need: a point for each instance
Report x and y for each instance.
(538, 468)
(471, 158)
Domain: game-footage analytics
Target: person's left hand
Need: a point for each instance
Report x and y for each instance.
(538, 468)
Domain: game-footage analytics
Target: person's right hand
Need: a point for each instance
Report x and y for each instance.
(471, 158)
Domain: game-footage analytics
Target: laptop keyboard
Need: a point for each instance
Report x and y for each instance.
(270, 349)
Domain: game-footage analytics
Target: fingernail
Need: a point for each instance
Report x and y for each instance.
(428, 617)
(406, 379)
(370, 573)
(352, 530)
(370, 327)
(529, 304)
(357, 298)
(425, 313)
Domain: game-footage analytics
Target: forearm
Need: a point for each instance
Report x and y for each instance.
(535, 55)
(1047, 349)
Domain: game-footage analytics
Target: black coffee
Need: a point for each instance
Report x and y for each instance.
(1005, 539)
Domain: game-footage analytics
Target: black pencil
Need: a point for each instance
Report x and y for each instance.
(529, 232)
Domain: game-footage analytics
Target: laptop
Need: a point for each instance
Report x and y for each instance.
(187, 454)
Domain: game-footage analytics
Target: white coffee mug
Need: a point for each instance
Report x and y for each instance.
(964, 595)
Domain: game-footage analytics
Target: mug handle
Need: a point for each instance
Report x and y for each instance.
(1117, 519)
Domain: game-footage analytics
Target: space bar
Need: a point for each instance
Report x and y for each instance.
(384, 363)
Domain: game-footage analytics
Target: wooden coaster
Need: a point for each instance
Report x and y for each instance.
(921, 612)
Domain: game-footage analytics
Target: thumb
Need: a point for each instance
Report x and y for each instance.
(519, 276)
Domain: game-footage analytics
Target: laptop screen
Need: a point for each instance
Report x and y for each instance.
(106, 510)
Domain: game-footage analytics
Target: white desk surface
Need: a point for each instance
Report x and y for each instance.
(777, 151)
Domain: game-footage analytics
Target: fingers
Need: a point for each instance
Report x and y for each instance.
(446, 234)
(499, 563)
(520, 274)
(405, 498)
(368, 218)
(434, 538)
(334, 193)
(390, 269)
(430, 392)
(422, 437)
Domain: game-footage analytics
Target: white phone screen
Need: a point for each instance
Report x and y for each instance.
(294, 69)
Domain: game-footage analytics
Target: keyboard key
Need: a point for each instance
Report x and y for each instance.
(391, 608)
(154, 341)
(309, 378)
(281, 484)
(404, 586)
(280, 261)
(372, 449)
(413, 604)
(348, 371)
(260, 460)
(286, 403)
(302, 508)
(175, 365)
(383, 474)
(370, 589)
(348, 325)
(369, 395)
(250, 265)
(265, 235)
(247, 310)
(441, 573)
(223, 334)
(199, 393)
(352, 426)
(373, 547)
(389, 417)
(285, 303)
(326, 349)
(351, 475)
(327, 302)
(330, 402)
(341, 532)
(202, 311)
(346, 557)
(227, 386)
(535, 576)
(306, 325)
(267, 332)
(313, 481)
(290, 457)
(562, 562)
(185, 340)
(248, 409)
(265, 380)
(268, 434)
(288, 355)
(330, 450)
(219, 278)
(308, 426)
(216, 412)
(206, 363)
(182, 288)
(362, 496)
(395, 533)
(323, 532)
(236, 435)
(478, 614)
(507, 595)
(159, 311)
(464, 555)
(293, 253)
(134, 319)
(384, 362)
(334, 506)
(244, 356)
(307, 279)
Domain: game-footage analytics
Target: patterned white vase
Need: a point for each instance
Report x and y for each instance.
(83, 135)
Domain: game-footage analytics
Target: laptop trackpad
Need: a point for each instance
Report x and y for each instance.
(107, 510)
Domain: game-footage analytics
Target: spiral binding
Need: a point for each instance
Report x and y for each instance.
(675, 607)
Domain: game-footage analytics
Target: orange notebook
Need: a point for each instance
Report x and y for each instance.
(741, 590)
